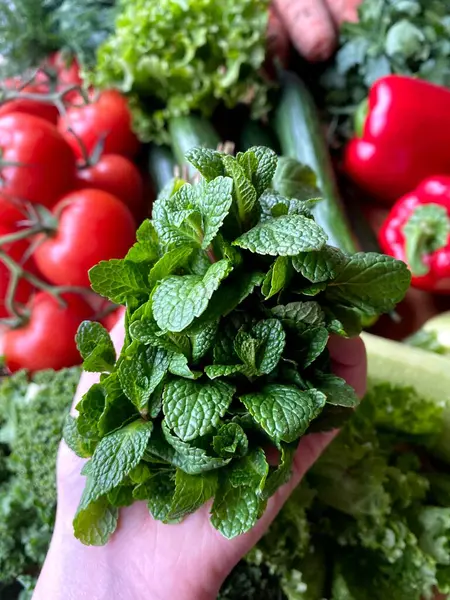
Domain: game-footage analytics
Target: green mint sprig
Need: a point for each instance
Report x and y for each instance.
(231, 295)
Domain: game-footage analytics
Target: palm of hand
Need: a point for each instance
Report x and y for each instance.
(147, 559)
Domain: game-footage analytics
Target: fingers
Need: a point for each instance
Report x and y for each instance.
(349, 361)
(277, 38)
(344, 10)
(310, 27)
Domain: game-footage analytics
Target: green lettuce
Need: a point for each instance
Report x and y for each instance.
(175, 57)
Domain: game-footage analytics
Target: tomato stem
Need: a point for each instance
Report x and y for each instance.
(22, 234)
(17, 272)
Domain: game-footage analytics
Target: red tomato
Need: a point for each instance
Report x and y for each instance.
(109, 116)
(111, 320)
(45, 167)
(10, 214)
(66, 67)
(16, 251)
(47, 340)
(93, 226)
(117, 175)
(44, 110)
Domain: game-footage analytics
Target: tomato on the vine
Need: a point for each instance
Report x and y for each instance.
(106, 118)
(16, 251)
(118, 176)
(36, 163)
(43, 110)
(10, 213)
(66, 69)
(47, 339)
(93, 226)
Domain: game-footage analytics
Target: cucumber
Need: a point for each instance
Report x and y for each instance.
(256, 134)
(298, 128)
(188, 132)
(161, 165)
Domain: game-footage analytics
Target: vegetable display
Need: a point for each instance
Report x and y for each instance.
(371, 519)
(298, 129)
(70, 198)
(387, 160)
(193, 72)
(389, 37)
(231, 293)
(417, 230)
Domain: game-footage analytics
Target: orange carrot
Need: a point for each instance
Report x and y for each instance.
(344, 10)
(310, 27)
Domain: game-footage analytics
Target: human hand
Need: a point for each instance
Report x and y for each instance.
(146, 559)
(312, 26)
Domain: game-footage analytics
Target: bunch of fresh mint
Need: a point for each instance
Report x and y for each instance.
(231, 294)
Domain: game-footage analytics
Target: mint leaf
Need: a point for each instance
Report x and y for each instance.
(202, 341)
(324, 265)
(343, 321)
(215, 199)
(147, 332)
(189, 458)
(207, 162)
(146, 249)
(115, 456)
(235, 510)
(249, 163)
(292, 179)
(230, 440)
(140, 372)
(90, 409)
(191, 492)
(96, 347)
(246, 347)
(179, 365)
(118, 410)
(193, 409)
(313, 342)
(271, 340)
(158, 490)
(121, 496)
(371, 282)
(336, 390)
(178, 300)
(215, 371)
(276, 278)
(243, 191)
(267, 164)
(117, 279)
(94, 524)
(284, 236)
(283, 411)
(303, 313)
(281, 475)
(273, 204)
(76, 442)
(168, 264)
(250, 470)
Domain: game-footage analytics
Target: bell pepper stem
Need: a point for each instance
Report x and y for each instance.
(360, 117)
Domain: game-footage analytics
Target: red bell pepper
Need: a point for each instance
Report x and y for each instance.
(417, 231)
(404, 139)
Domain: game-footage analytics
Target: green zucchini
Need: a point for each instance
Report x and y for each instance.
(188, 132)
(298, 128)
(161, 166)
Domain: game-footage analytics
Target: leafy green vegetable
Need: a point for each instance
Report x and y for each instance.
(31, 29)
(32, 413)
(371, 519)
(209, 352)
(167, 54)
(407, 37)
